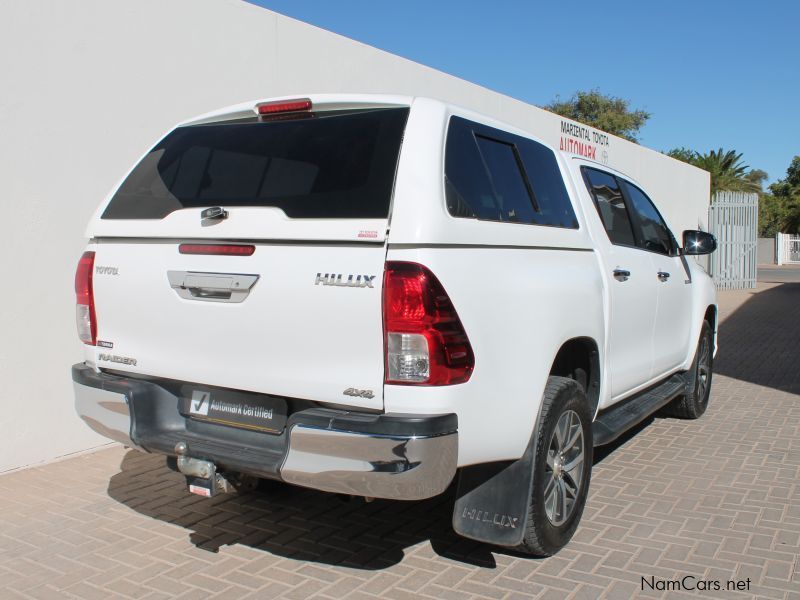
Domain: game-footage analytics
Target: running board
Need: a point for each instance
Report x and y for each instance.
(617, 419)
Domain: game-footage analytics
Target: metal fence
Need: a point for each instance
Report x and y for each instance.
(733, 219)
(787, 248)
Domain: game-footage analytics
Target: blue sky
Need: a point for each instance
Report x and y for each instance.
(712, 72)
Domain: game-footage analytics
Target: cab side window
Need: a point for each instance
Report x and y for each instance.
(467, 185)
(651, 229)
(494, 175)
(511, 190)
(611, 206)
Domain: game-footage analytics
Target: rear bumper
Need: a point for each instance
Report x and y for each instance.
(403, 457)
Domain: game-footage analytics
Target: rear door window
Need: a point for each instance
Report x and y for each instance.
(336, 164)
(498, 176)
(611, 206)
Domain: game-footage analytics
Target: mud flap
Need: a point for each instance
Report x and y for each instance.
(492, 501)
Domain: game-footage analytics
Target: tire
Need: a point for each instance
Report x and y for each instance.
(693, 404)
(565, 416)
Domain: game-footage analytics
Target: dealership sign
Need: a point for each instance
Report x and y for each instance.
(584, 141)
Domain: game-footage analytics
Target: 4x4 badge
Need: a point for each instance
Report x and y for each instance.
(359, 393)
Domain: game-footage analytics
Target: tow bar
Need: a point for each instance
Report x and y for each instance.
(201, 475)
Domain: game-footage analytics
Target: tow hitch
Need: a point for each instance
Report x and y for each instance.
(202, 477)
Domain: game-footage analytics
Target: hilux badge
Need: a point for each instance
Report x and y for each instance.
(359, 281)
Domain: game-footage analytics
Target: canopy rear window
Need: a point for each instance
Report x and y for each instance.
(316, 165)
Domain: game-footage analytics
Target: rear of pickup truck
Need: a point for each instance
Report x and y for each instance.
(238, 314)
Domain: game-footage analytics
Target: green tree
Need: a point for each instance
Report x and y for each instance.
(726, 168)
(758, 177)
(770, 215)
(682, 153)
(790, 185)
(608, 113)
(786, 204)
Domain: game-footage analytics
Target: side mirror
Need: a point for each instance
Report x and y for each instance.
(698, 242)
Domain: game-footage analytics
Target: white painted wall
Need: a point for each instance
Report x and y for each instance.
(86, 87)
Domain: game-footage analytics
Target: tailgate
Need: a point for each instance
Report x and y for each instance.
(300, 316)
(271, 322)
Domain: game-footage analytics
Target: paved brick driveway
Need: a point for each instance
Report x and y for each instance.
(717, 499)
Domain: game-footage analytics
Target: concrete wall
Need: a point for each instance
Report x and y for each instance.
(766, 251)
(88, 86)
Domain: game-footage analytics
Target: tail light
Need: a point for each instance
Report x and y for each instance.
(424, 341)
(84, 298)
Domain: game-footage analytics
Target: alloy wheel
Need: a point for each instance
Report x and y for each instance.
(564, 468)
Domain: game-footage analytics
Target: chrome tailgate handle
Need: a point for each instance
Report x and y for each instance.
(211, 287)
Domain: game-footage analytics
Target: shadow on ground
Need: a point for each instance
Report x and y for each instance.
(304, 524)
(295, 522)
(758, 342)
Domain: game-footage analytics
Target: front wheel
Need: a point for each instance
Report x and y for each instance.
(562, 468)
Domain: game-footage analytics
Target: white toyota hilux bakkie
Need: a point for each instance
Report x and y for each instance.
(383, 297)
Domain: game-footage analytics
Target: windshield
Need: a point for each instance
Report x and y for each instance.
(338, 164)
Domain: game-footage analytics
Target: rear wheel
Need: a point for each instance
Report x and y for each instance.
(698, 384)
(562, 468)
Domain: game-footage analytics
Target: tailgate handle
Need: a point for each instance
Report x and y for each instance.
(211, 287)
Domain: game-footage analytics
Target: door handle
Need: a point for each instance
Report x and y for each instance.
(663, 276)
(621, 274)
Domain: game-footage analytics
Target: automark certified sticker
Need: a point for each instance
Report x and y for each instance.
(233, 408)
(200, 402)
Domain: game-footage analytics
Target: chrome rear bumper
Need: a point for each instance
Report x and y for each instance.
(105, 412)
(366, 464)
(402, 457)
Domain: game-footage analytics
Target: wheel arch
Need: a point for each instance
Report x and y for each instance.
(579, 359)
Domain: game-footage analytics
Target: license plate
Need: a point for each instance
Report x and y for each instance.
(237, 409)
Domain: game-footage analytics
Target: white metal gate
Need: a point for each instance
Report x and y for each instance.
(733, 219)
(788, 248)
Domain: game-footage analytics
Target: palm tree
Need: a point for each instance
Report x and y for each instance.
(727, 170)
